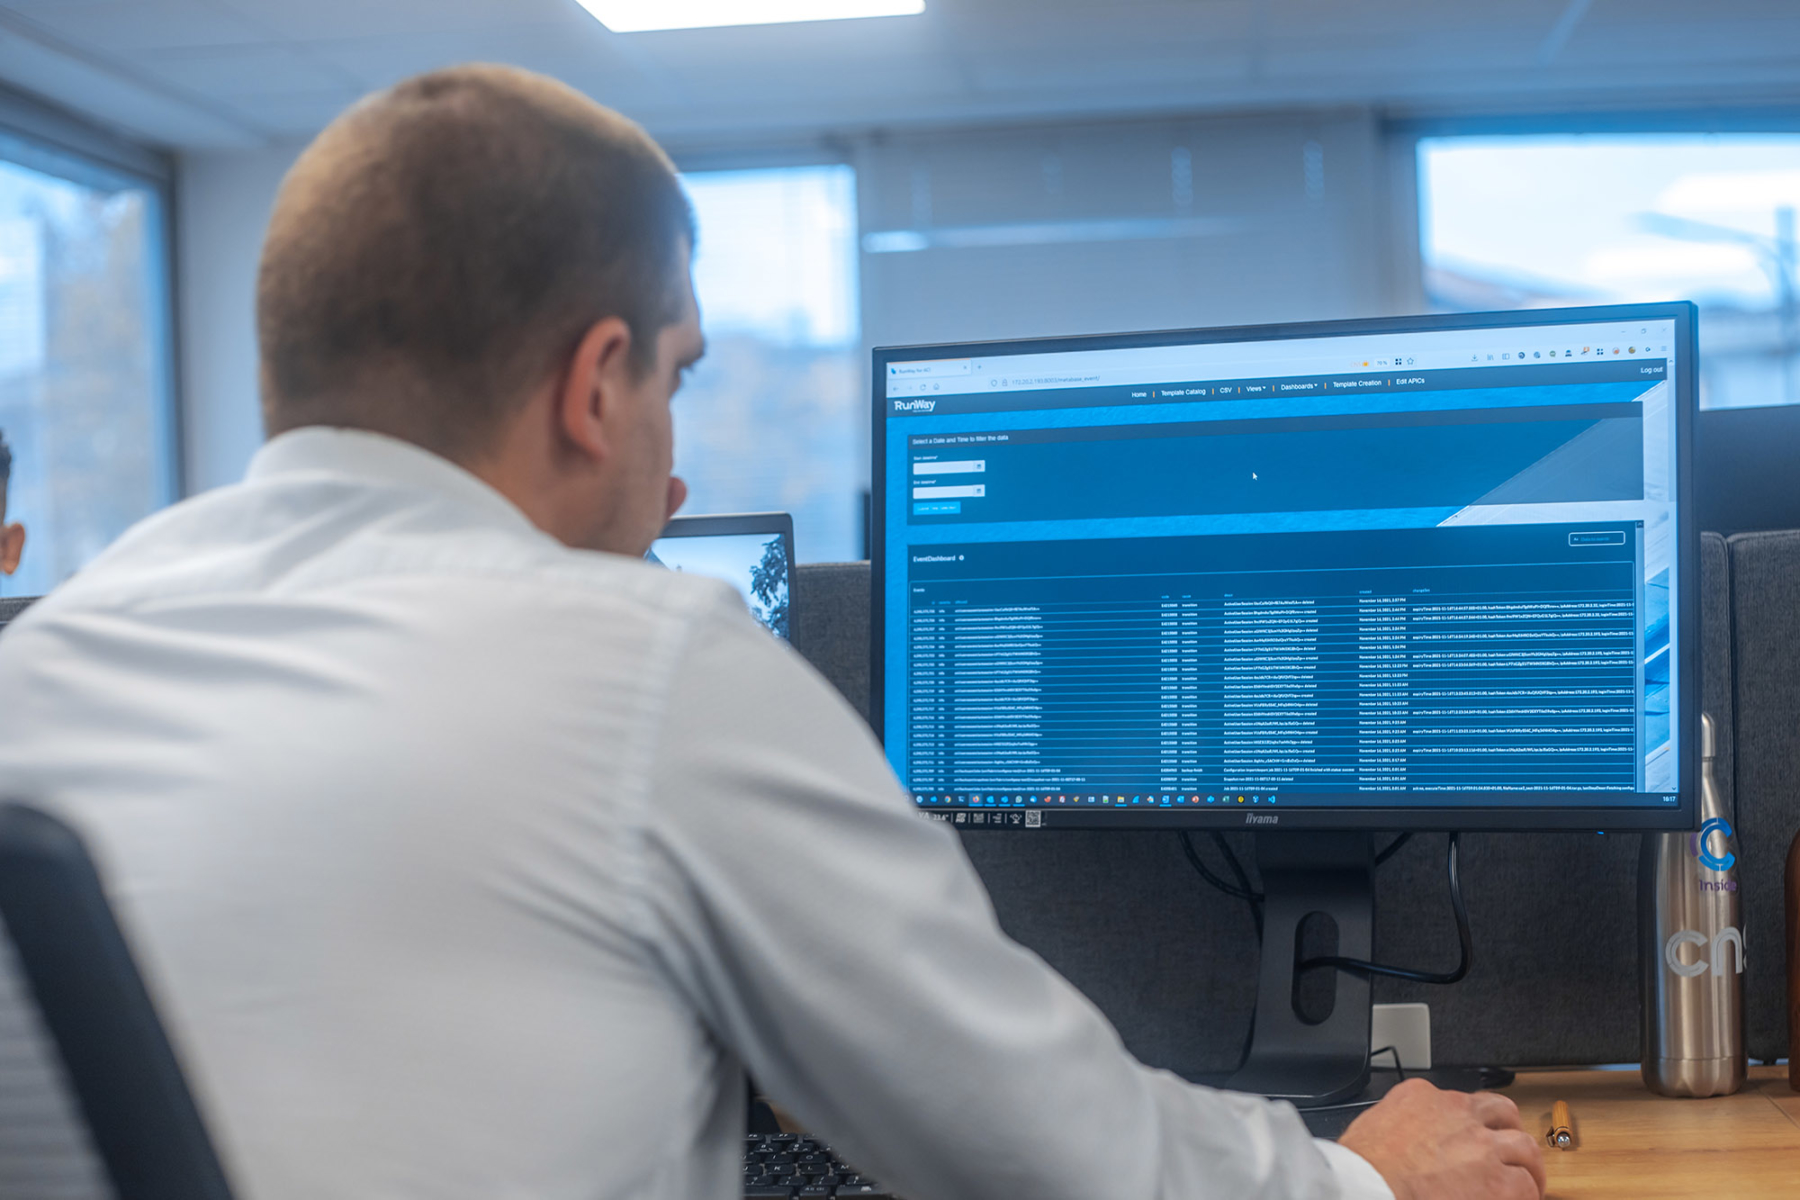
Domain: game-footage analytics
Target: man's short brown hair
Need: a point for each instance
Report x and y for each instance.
(444, 244)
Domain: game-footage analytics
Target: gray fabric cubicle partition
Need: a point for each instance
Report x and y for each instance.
(829, 611)
(1172, 962)
(1765, 603)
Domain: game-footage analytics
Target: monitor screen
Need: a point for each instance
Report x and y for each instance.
(753, 552)
(1428, 572)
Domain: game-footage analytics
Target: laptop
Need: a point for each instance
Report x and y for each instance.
(754, 552)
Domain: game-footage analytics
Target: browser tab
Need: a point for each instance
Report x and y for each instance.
(933, 368)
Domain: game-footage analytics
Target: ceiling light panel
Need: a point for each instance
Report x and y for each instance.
(637, 16)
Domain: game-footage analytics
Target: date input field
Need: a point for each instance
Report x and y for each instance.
(956, 492)
(972, 466)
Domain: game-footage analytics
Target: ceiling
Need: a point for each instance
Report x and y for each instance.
(223, 74)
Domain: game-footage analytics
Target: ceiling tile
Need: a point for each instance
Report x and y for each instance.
(1675, 42)
(297, 114)
(584, 61)
(333, 19)
(1066, 72)
(129, 26)
(230, 72)
(1523, 22)
(287, 65)
(160, 117)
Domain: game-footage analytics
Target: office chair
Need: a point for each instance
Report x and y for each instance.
(140, 1119)
(12, 606)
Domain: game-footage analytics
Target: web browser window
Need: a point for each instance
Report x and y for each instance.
(1431, 567)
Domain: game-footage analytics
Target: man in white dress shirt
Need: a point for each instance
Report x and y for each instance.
(468, 855)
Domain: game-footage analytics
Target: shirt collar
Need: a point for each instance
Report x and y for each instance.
(378, 459)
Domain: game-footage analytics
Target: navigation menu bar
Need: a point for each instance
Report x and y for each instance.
(1047, 368)
(1289, 387)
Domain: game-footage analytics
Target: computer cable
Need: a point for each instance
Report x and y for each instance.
(1364, 1105)
(1399, 1067)
(1243, 891)
(1357, 966)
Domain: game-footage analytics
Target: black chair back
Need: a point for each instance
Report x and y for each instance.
(140, 1118)
(12, 606)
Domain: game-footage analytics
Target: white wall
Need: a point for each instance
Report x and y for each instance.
(1282, 217)
(222, 204)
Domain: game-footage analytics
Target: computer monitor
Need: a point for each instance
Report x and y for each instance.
(1429, 572)
(753, 552)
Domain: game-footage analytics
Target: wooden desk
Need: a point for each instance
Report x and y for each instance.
(1630, 1143)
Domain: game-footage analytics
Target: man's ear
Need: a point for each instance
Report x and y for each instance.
(591, 389)
(12, 547)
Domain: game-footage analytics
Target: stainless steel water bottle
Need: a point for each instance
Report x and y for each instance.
(1691, 950)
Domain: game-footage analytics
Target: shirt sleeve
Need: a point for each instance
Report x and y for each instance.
(845, 950)
(1357, 1177)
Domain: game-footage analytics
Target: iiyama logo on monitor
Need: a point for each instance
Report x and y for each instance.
(1261, 819)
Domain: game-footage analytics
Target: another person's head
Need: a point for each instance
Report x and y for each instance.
(12, 537)
(486, 263)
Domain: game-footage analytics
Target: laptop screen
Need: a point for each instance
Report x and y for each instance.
(755, 561)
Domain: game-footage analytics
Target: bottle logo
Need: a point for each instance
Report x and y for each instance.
(1714, 862)
(1726, 937)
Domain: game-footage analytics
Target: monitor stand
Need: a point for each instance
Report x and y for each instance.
(1290, 1057)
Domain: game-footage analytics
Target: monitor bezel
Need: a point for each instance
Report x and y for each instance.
(1568, 813)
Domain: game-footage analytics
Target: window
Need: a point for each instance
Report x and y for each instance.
(84, 386)
(772, 418)
(1598, 219)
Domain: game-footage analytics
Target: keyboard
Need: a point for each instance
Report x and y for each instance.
(792, 1166)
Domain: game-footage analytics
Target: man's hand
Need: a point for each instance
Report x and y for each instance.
(1433, 1145)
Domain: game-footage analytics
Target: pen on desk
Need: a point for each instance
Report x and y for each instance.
(1561, 1135)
